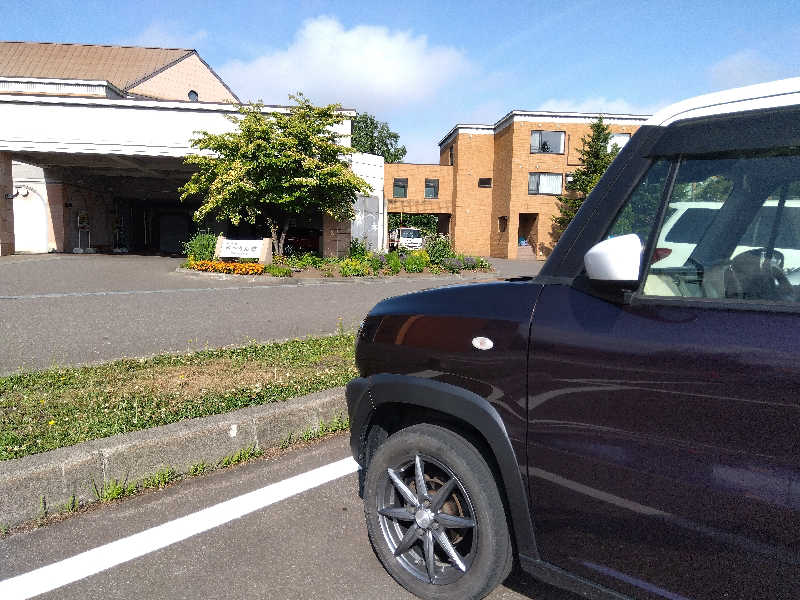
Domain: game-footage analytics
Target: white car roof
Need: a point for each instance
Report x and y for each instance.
(784, 92)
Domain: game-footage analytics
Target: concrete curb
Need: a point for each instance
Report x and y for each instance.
(59, 474)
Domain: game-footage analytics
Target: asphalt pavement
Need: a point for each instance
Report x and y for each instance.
(309, 545)
(61, 309)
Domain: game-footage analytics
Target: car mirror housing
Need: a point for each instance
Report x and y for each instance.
(615, 261)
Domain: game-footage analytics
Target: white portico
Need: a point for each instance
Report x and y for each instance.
(110, 167)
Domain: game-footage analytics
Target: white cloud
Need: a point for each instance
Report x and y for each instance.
(366, 67)
(169, 35)
(597, 104)
(742, 68)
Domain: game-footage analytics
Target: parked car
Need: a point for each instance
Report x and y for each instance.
(616, 427)
(405, 237)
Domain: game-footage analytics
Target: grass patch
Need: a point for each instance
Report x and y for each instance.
(44, 410)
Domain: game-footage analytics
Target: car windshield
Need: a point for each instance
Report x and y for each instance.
(410, 233)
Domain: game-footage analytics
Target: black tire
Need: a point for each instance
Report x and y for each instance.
(483, 546)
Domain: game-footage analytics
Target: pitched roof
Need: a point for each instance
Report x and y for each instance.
(123, 66)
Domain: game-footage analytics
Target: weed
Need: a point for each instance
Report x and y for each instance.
(158, 479)
(199, 468)
(3, 529)
(241, 456)
(113, 489)
(71, 505)
(314, 433)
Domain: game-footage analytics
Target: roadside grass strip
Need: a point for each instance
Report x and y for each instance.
(85, 564)
(45, 410)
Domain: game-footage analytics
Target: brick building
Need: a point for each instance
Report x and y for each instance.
(495, 186)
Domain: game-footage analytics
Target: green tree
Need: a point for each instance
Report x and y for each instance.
(426, 223)
(375, 137)
(596, 157)
(274, 166)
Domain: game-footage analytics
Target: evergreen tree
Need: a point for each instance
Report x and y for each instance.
(596, 157)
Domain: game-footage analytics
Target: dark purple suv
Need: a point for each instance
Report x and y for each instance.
(617, 427)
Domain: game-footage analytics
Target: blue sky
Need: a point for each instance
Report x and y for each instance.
(425, 66)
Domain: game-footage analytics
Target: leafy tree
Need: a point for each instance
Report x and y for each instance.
(274, 166)
(596, 157)
(375, 137)
(426, 223)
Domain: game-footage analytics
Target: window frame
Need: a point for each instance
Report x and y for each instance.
(563, 141)
(538, 193)
(435, 187)
(404, 186)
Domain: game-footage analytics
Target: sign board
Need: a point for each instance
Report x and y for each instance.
(83, 220)
(259, 249)
(240, 248)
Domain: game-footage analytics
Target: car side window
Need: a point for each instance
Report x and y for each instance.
(732, 229)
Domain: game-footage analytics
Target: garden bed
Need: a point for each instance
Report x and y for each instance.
(44, 410)
(436, 258)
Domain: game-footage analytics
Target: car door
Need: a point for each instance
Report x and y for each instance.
(663, 440)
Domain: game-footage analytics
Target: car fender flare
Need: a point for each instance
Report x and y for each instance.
(475, 411)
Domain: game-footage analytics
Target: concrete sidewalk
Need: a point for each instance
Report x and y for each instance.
(54, 477)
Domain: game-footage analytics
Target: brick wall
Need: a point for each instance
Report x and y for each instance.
(415, 202)
(474, 159)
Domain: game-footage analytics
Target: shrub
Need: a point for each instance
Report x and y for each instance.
(453, 264)
(482, 263)
(438, 248)
(354, 267)
(278, 270)
(393, 263)
(201, 246)
(358, 248)
(417, 261)
(469, 263)
(377, 262)
(301, 262)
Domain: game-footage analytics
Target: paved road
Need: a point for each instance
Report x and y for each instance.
(311, 545)
(64, 309)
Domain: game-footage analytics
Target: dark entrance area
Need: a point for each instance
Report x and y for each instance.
(528, 235)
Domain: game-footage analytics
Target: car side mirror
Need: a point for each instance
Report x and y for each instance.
(615, 262)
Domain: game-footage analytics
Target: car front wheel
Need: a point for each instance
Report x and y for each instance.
(434, 515)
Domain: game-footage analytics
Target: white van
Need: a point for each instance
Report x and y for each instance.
(405, 237)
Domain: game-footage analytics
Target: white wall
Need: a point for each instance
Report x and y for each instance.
(370, 220)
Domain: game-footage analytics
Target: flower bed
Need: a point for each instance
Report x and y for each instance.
(220, 266)
(436, 258)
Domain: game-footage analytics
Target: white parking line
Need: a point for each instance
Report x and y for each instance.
(109, 555)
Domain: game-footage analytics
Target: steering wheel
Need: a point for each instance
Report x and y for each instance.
(751, 276)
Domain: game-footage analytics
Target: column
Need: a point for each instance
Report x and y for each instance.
(6, 205)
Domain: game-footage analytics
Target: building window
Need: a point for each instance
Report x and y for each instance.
(193, 97)
(544, 183)
(451, 154)
(400, 189)
(620, 139)
(547, 142)
(485, 182)
(502, 224)
(431, 188)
